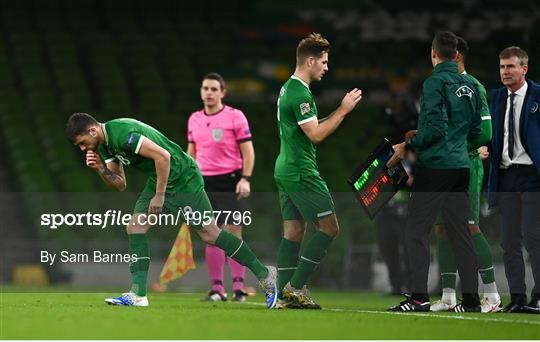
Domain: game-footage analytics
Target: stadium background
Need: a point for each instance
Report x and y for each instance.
(144, 59)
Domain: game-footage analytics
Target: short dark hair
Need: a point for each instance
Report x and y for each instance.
(445, 45)
(216, 77)
(313, 45)
(462, 47)
(515, 51)
(78, 124)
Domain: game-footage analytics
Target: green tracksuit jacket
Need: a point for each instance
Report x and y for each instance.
(449, 118)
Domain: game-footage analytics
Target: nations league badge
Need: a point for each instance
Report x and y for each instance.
(534, 108)
(305, 108)
(217, 134)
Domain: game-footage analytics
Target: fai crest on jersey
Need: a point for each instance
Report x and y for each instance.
(534, 108)
(131, 139)
(217, 134)
(464, 91)
(305, 108)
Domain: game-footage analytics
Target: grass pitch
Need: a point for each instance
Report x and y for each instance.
(183, 316)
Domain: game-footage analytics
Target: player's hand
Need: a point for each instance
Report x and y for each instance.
(350, 100)
(93, 160)
(483, 152)
(410, 134)
(156, 204)
(243, 188)
(398, 156)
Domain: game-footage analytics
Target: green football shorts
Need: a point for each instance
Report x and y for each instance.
(306, 198)
(188, 197)
(476, 178)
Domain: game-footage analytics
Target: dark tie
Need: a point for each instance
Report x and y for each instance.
(511, 127)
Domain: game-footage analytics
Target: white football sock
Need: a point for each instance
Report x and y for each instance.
(449, 296)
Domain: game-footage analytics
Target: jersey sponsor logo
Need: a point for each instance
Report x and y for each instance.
(217, 134)
(305, 108)
(121, 156)
(122, 159)
(534, 108)
(464, 91)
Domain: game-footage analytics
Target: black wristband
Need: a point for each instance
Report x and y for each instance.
(248, 178)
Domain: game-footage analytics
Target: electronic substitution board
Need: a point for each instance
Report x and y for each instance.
(373, 183)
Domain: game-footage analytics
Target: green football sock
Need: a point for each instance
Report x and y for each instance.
(447, 264)
(485, 260)
(287, 261)
(314, 252)
(239, 251)
(138, 245)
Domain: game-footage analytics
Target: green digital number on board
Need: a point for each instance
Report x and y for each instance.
(365, 176)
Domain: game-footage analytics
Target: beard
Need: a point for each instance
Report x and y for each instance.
(93, 145)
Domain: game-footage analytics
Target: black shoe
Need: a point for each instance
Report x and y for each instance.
(513, 308)
(409, 305)
(462, 308)
(530, 310)
(533, 307)
(534, 303)
(239, 296)
(215, 296)
(516, 308)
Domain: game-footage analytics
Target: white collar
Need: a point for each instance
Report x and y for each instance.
(300, 80)
(521, 91)
(464, 72)
(105, 134)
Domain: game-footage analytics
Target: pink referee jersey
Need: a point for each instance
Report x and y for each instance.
(217, 138)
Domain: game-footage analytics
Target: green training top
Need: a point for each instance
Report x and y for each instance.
(297, 154)
(123, 140)
(448, 120)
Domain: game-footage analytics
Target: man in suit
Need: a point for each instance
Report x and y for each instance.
(514, 182)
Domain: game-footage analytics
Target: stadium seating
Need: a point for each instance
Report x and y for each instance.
(144, 59)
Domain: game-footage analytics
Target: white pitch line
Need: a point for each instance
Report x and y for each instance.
(427, 315)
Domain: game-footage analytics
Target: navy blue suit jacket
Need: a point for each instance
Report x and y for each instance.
(529, 130)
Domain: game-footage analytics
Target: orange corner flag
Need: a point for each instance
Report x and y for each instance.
(180, 259)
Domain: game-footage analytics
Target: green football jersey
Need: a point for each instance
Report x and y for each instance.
(485, 137)
(483, 96)
(297, 154)
(123, 140)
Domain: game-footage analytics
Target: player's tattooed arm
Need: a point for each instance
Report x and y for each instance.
(112, 173)
(116, 178)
